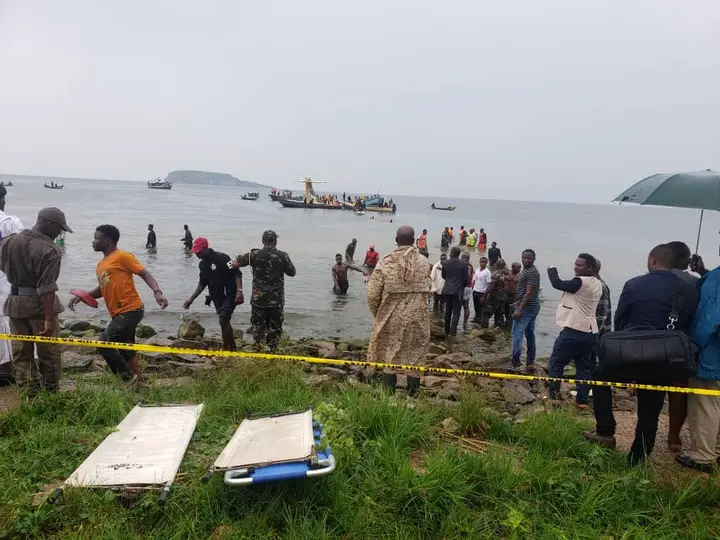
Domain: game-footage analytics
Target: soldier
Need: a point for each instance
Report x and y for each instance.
(270, 266)
(495, 296)
(31, 263)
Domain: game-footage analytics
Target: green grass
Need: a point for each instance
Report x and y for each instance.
(535, 479)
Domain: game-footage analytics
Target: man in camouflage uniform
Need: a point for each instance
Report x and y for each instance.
(269, 266)
(495, 296)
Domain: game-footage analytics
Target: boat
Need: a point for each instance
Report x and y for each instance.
(158, 183)
(448, 208)
(284, 194)
(252, 196)
(382, 209)
(53, 185)
(311, 199)
(6, 185)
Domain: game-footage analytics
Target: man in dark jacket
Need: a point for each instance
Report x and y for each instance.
(645, 303)
(455, 273)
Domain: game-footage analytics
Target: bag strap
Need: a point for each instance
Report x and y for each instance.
(677, 304)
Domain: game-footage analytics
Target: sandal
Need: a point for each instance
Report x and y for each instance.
(686, 461)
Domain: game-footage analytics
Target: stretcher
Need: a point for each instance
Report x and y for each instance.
(268, 449)
(144, 451)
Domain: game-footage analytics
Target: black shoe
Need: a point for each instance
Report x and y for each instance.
(413, 385)
(686, 461)
(603, 440)
(389, 380)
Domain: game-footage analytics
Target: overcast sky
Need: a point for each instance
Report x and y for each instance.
(567, 100)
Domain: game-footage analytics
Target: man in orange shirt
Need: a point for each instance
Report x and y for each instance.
(116, 286)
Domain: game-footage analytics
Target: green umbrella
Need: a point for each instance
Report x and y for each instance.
(700, 189)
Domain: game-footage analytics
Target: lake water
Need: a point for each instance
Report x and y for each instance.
(620, 236)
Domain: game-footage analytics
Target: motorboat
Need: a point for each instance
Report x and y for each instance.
(53, 185)
(252, 196)
(158, 183)
(448, 208)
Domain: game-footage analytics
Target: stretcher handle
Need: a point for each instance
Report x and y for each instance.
(328, 466)
(238, 477)
(164, 496)
(208, 475)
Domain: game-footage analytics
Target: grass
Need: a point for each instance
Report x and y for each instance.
(535, 479)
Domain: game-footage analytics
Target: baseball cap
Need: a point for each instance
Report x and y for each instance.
(55, 215)
(269, 235)
(199, 244)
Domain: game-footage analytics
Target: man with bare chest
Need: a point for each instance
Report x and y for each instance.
(511, 284)
(339, 273)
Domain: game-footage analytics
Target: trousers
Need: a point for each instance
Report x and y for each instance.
(578, 346)
(267, 325)
(27, 373)
(704, 420)
(453, 306)
(524, 327)
(121, 329)
(477, 304)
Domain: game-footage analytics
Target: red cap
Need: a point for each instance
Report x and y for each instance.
(199, 244)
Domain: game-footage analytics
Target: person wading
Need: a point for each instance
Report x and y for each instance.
(151, 238)
(371, 258)
(576, 315)
(350, 251)
(116, 286)
(455, 273)
(224, 284)
(422, 243)
(269, 266)
(397, 296)
(187, 240)
(31, 262)
(9, 225)
(340, 273)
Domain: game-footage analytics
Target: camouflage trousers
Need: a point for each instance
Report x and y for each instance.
(27, 373)
(267, 325)
(494, 306)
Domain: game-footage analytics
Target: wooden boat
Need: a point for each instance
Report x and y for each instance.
(446, 208)
(292, 203)
(381, 209)
(159, 184)
(285, 194)
(252, 196)
(6, 185)
(54, 186)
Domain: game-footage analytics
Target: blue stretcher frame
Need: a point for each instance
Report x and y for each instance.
(321, 464)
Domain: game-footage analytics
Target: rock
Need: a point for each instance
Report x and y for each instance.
(342, 347)
(78, 326)
(450, 425)
(515, 392)
(238, 334)
(451, 360)
(188, 344)
(181, 368)
(65, 333)
(143, 332)
(432, 381)
(437, 332)
(317, 378)
(326, 349)
(159, 341)
(356, 344)
(191, 358)
(89, 333)
(214, 344)
(335, 373)
(191, 330)
(448, 394)
(73, 361)
(438, 348)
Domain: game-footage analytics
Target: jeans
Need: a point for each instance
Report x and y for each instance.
(524, 326)
(453, 305)
(121, 329)
(649, 405)
(573, 345)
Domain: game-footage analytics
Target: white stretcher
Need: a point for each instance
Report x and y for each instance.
(144, 451)
(274, 448)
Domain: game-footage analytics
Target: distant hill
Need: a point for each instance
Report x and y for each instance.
(208, 179)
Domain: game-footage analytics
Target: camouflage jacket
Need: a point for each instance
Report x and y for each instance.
(269, 266)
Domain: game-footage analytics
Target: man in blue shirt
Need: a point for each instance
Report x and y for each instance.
(645, 303)
(704, 411)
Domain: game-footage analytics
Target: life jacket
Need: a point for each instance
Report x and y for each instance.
(372, 257)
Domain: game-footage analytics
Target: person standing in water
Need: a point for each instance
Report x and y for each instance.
(371, 258)
(350, 251)
(151, 238)
(472, 239)
(115, 273)
(340, 272)
(422, 243)
(463, 236)
(482, 240)
(445, 239)
(187, 239)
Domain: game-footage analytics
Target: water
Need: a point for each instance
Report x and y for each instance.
(621, 236)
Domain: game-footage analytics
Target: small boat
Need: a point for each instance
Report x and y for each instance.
(6, 185)
(53, 185)
(159, 184)
(285, 194)
(383, 209)
(292, 203)
(252, 196)
(448, 208)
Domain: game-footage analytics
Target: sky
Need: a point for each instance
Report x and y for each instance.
(553, 100)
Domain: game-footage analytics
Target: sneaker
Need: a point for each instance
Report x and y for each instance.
(529, 367)
(686, 461)
(603, 440)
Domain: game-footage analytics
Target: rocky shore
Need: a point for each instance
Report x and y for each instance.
(478, 349)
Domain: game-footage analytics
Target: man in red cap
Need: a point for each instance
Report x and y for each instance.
(371, 258)
(224, 284)
(31, 262)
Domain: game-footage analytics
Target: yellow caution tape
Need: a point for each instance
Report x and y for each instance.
(141, 347)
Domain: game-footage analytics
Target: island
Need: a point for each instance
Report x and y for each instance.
(209, 179)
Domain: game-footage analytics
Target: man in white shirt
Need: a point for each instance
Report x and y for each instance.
(481, 278)
(8, 225)
(437, 284)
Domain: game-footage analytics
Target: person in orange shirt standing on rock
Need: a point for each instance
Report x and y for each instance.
(116, 286)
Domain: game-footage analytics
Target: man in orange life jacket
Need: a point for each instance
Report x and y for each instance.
(371, 257)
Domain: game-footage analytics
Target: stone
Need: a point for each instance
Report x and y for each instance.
(450, 425)
(188, 344)
(89, 333)
(335, 373)
(342, 347)
(143, 331)
(192, 358)
(432, 381)
(356, 344)
(65, 333)
(181, 368)
(317, 378)
(73, 361)
(451, 360)
(326, 349)
(78, 326)
(517, 393)
(238, 334)
(448, 394)
(437, 332)
(159, 341)
(438, 348)
(191, 330)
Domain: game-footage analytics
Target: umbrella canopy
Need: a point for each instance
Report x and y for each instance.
(700, 189)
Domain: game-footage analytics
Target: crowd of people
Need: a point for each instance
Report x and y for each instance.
(400, 284)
